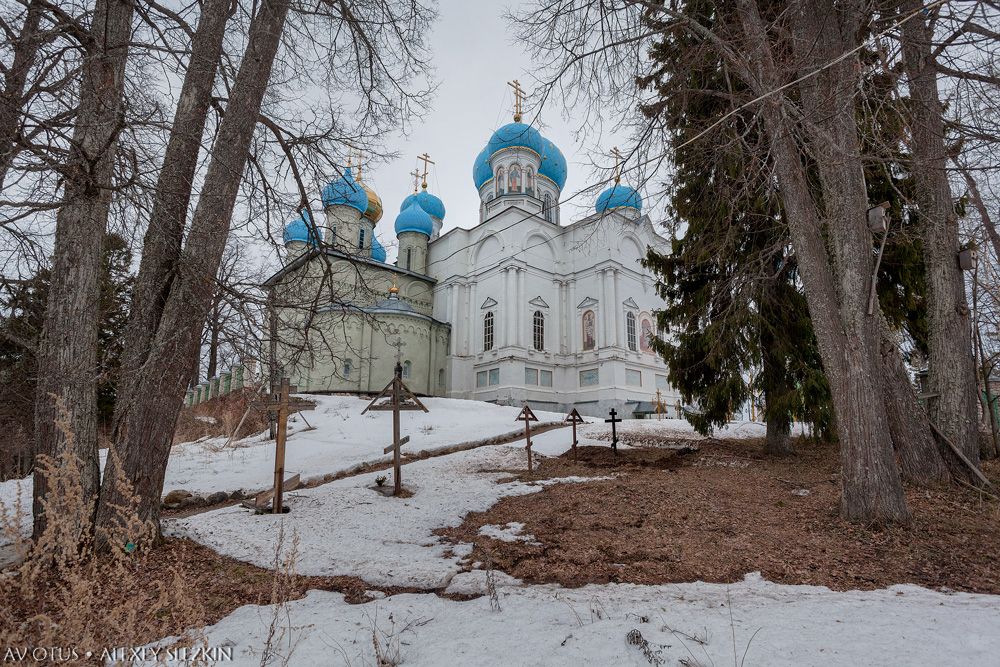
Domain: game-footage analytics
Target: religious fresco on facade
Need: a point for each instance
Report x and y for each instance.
(589, 330)
(646, 339)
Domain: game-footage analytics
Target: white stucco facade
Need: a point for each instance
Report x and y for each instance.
(517, 269)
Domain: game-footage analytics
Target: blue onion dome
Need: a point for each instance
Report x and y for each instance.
(481, 169)
(300, 230)
(431, 205)
(553, 164)
(378, 250)
(618, 196)
(374, 210)
(345, 191)
(414, 219)
(516, 135)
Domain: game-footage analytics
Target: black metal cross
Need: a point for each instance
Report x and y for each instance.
(614, 432)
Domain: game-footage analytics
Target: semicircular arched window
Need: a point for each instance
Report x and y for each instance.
(488, 331)
(407, 368)
(538, 330)
(630, 330)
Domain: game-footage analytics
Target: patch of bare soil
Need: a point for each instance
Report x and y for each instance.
(726, 510)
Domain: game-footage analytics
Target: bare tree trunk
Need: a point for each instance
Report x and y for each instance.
(835, 292)
(145, 447)
(952, 374)
(15, 79)
(919, 456)
(67, 351)
(213, 340)
(164, 235)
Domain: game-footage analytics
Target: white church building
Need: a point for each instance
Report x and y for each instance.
(520, 306)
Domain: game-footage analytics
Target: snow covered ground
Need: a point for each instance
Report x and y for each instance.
(343, 439)
(347, 528)
(753, 622)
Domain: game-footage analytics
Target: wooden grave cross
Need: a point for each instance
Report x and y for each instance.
(614, 432)
(282, 404)
(574, 418)
(527, 416)
(397, 397)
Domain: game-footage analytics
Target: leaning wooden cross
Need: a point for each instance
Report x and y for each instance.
(527, 416)
(282, 404)
(396, 397)
(574, 418)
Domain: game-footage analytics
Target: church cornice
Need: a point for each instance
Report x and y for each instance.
(313, 253)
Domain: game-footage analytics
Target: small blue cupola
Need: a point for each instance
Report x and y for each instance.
(345, 191)
(300, 231)
(378, 250)
(431, 204)
(618, 196)
(413, 218)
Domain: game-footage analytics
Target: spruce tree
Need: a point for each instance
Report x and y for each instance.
(736, 325)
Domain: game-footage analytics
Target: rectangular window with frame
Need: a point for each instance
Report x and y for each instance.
(348, 364)
(661, 382)
(530, 376)
(633, 378)
(589, 378)
(545, 378)
(488, 331)
(494, 376)
(481, 379)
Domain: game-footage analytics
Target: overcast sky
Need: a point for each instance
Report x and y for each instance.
(475, 57)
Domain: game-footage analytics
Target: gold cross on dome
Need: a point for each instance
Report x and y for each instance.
(518, 99)
(427, 160)
(416, 179)
(619, 163)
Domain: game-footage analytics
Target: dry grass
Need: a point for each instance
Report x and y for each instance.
(727, 510)
(220, 416)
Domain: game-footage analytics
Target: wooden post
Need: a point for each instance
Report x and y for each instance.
(397, 481)
(279, 449)
(574, 418)
(527, 416)
(614, 432)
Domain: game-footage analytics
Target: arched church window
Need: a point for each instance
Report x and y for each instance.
(361, 238)
(538, 330)
(409, 258)
(529, 181)
(347, 368)
(547, 207)
(407, 368)
(515, 179)
(441, 378)
(488, 331)
(501, 183)
(630, 330)
(589, 330)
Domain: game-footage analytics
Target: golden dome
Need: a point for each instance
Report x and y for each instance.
(374, 210)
